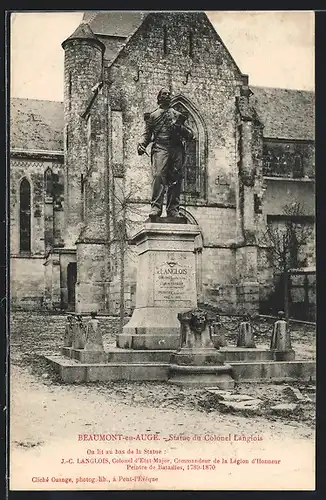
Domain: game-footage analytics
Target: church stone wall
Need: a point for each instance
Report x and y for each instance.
(183, 52)
(161, 54)
(210, 88)
(27, 269)
(27, 282)
(83, 70)
(33, 171)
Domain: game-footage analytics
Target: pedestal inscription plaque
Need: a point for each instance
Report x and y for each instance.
(173, 279)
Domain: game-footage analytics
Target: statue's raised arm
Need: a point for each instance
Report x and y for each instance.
(166, 129)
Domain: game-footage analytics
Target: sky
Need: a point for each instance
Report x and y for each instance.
(276, 48)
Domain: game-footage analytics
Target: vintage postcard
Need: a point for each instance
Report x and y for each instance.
(162, 248)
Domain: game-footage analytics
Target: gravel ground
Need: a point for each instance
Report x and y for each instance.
(33, 335)
(42, 407)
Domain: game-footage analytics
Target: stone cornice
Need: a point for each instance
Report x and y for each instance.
(91, 241)
(292, 179)
(37, 154)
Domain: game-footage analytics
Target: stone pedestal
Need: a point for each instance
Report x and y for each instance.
(200, 366)
(197, 362)
(166, 285)
(245, 335)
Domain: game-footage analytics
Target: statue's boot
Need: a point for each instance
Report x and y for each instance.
(155, 212)
(175, 214)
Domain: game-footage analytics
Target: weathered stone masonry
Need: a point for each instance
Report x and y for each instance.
(111, 81)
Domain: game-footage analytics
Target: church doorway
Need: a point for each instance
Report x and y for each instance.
(71, 284)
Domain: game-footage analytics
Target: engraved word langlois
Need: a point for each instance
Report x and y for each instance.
(173, 278)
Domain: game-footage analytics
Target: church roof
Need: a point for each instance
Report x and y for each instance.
(36, 125)
(83, 32)
(285, 113)
(281, 110)
(114, 23)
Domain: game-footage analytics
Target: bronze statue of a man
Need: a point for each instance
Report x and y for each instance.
(166, 128)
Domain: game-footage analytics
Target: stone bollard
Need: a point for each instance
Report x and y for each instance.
(68, 336)
(94, 349)
(79, 333)
(94, 341)
(281, 341)
(218, 337)
(245, 335)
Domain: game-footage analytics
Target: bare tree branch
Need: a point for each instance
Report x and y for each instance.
(284, 241)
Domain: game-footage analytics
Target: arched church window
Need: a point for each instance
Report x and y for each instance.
(192, 169)
(191, 44)
(48, 182)
(284, 159)
(71, 284)
(25, 216)
(298, 169)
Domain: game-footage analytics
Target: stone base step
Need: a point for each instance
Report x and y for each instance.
(274, 371)
(233, 354)
(246, 354)
(85, 356)
(200, 376)
(119, 355)
(72, 371)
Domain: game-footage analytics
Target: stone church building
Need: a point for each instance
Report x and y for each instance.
(78, 189)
